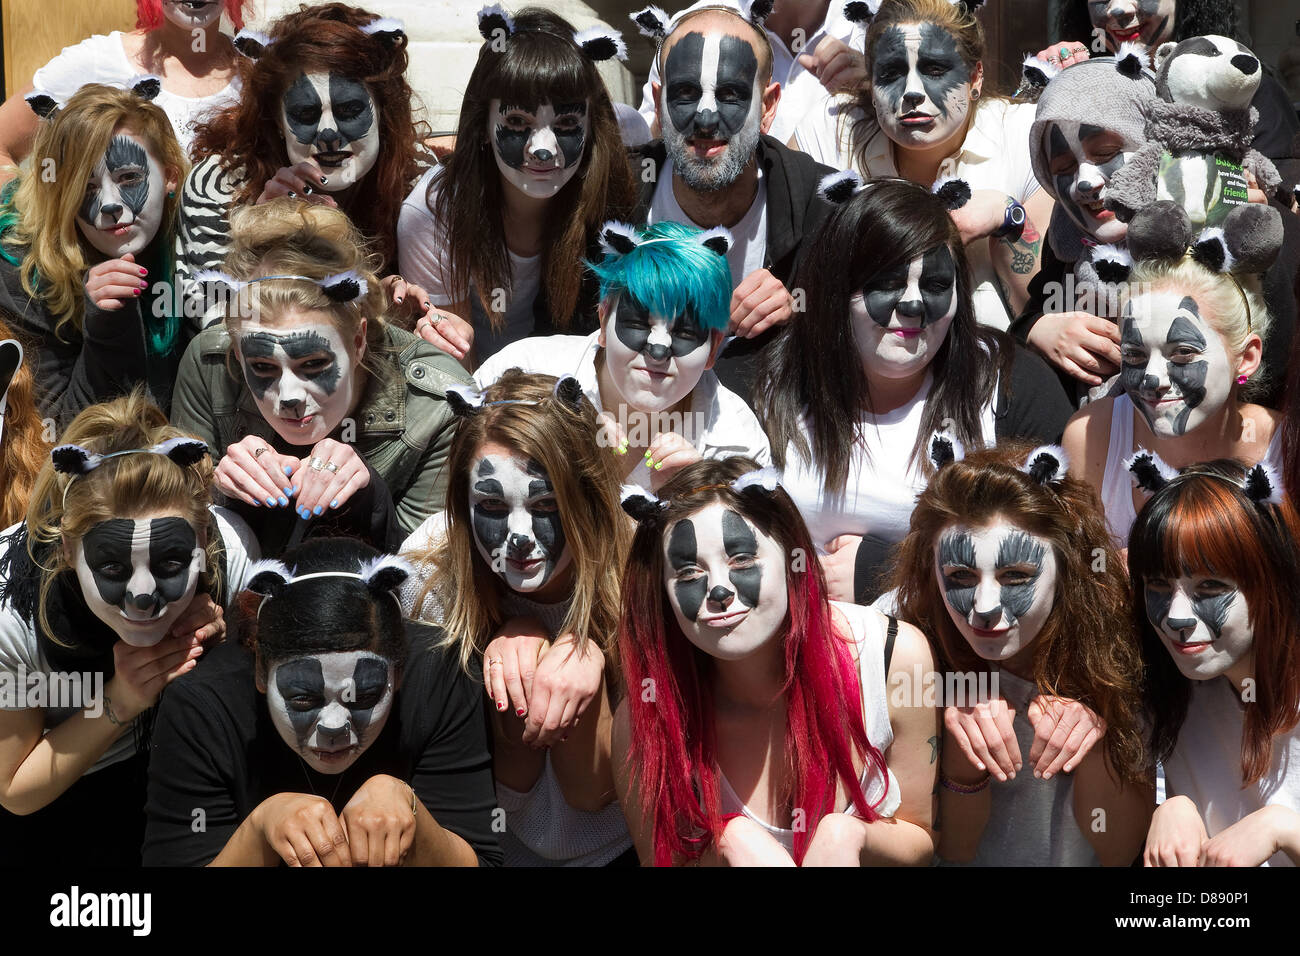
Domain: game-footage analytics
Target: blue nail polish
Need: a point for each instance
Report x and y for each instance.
(334, 503)
(270, 502)
(303, 514)
(288, 490)
(284, 501)
(288, 469)
(317, 510)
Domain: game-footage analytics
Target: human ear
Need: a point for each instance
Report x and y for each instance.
(771, 97)
(1252, 356)
(977, 77)
(714, 348)
(602, 314)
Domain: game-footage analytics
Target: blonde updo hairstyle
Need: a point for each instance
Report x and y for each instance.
(65, 508)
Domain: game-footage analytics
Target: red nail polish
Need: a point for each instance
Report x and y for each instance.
(144, 271)
(136, 292)
(519, 712)
(500, 706)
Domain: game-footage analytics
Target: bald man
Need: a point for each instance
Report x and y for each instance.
(715, 166)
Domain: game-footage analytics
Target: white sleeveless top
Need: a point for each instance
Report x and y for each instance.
(1117, 486)
(868, 626)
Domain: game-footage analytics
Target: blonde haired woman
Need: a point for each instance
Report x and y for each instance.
(86, 235)
(108, 592)
(317, 407)
(523, 574)
(25, 448)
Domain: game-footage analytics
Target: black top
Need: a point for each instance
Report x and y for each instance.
(794, 212)
(215, 749)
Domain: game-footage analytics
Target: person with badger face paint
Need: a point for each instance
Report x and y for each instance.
(1213, 564)
(497, 232)
(770, 739)
(521, 572)
(928, 112)
(355, 744)
(115, 581)
(648, 369)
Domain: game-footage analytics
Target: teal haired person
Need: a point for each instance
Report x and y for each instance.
(665, 296)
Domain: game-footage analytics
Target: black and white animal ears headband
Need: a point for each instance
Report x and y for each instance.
(652, 22)
(1150, 473)
(839, 188)
(341, 287)
(254, 43)
(381, 575)
(597, 43)
(862, 11)
(1046, 464)
(644, 506)
(620, 238)
(76, 462)
(465, 400)
(45, 105)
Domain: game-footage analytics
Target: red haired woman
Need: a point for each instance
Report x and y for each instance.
(1009, 568)
(1213, 561)
(757, 729)
(179, 41)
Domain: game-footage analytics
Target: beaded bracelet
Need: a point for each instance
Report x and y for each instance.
(950, 784)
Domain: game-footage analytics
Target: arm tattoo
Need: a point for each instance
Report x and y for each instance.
(112, 717)
(1025, 250)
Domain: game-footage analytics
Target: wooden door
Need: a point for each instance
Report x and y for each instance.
(36, 30)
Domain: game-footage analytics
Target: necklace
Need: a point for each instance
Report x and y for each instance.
(306, 776)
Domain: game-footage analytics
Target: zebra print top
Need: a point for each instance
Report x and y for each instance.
(203, 238)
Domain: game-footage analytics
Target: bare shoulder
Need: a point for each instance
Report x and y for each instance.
(1087, 438)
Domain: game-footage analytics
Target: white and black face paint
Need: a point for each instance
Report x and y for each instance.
(303, 378)
(1203, 620)
(332, 119)
(711, 108)
(920, 86)
(330, 707)
(1149, 22)
(125, 198)
(902, 315)
(1173, 364)
(999, 583)
(726, 582)
(139, 574)
(1083, 159)
(538, 149)
(654, 361)
(516, 520)
(192, 14)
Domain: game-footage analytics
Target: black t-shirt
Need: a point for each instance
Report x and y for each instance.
(215, 750)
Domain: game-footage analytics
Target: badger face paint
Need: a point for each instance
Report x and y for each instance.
(726, 582)
(920, 86)
(654, 361)
(1203, 620)
(999, 583)
(1083, 159)
(1173, 365)
(192, 14)
(303, 378)
(125, 198)
(710, 108)
(1149, 22)
(902, 315)
(538, 149)
(138, 575)
(330, 707)
(516, 520)
(331, 119)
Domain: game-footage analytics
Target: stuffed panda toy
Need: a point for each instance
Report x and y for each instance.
(1187, 185)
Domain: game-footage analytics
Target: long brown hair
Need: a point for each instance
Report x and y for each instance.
(540, 64)
(24, 450)
(324, 38)
(1203, 522)
(1087, 649)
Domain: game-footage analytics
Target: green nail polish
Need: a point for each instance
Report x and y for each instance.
(658, 466)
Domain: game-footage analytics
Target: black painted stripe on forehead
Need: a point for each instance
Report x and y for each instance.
(957, 549)
(1019, 548)
(295, 344)
(485, 467)
(302, 675)
(124, 152)
(109, 539)
(1188, 304)
(169, 536)
(1183, 330)
(489, 486)
(737, 536)
(682, 547)
(539, 487)
(370, 676)
(938, 263)
(937, 40)
(1057, 144)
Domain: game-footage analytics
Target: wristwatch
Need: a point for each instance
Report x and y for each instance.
(1013, 223)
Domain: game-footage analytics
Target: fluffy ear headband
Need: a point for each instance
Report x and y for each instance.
(381, 575)
(620, 238)
(839, 188)
(644, 506)
(1046, 464)
(945, 448)
(45, 105)
(1150, 473)
(75, 461)
(861, 11)
(340, 287)
(597, 43)
(465, 400)
(651, 22)
(254, 43)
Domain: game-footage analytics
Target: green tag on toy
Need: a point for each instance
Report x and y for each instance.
(1206, 185)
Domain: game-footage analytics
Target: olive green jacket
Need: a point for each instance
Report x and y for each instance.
(402, 428)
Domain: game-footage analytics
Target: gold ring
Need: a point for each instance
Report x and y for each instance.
(258, 452)
(493, 660)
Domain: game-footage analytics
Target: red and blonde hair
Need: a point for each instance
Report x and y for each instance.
(1203, 523)
(673, 753)
(149, 13)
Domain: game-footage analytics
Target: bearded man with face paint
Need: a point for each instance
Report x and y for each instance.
(715, 166)
(335, 746)
(927, 114)
(647, 372)
(1213, 567)
(1191, 342)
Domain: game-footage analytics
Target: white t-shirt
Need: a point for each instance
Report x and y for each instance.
(21, 655)
(424, 257)
(882, 485)
(802, 94)
(1206, 763)
(995, 155)
(728, 426)
(749, 236)
(103, 59)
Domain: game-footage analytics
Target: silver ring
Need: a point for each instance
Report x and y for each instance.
(435, 319)
(316, 464)
(331, 467)
(258, 452)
